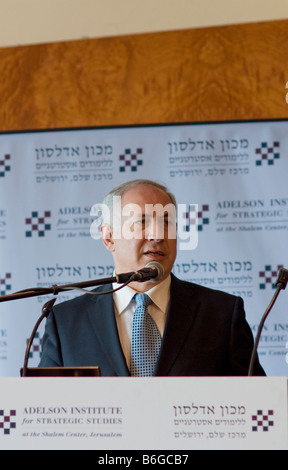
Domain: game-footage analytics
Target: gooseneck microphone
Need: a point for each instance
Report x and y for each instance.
(281, 283)
(152, 272)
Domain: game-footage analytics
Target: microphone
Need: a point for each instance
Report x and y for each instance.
(152, 272)
(281, 284)
(282, 278)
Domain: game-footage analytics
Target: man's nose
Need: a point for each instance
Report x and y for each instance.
(155, 231)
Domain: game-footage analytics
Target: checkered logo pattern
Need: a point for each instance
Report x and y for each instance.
(38, 225)
(35, 350)
(268, 277)
(197, 217)
(7, 421)
(5, 165)
(262, 422)
(130, 160)
(5, 284)
(267, 153)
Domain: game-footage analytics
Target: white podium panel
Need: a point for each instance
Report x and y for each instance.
(140, 413)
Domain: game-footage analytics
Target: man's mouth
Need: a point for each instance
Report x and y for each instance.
(154, 254)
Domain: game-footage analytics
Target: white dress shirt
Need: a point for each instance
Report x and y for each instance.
(125, 307)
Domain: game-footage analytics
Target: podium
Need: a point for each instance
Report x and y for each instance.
(143, 413)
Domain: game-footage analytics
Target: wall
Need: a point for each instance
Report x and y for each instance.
(220, 73)
(38, 21)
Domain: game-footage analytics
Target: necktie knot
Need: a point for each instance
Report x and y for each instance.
(142, 300)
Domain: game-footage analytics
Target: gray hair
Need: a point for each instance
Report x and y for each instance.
(120, 190)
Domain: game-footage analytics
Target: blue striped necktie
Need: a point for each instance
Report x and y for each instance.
(145, 340)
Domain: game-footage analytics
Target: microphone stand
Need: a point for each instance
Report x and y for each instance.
(45, 312)
(141, 276)
(281, 284)
(55, 289)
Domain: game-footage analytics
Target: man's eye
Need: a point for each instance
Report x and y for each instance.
(169, 221)
(140, 222)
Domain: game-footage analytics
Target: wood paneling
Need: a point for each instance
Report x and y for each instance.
(222, 73)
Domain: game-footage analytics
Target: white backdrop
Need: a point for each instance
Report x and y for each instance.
(236, 173)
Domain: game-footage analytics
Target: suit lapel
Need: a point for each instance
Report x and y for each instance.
(179, 321)
(103, 321)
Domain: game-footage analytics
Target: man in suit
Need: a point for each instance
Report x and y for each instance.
(202, 332)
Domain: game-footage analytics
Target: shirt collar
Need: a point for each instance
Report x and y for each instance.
(159, 294)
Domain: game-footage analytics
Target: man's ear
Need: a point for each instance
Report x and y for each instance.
(107, 237)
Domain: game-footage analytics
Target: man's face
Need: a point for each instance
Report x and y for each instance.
(148, 232)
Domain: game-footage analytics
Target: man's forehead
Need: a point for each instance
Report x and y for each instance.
(145, 194)
(147, 210)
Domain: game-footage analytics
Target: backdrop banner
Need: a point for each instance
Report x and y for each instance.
(230, 182)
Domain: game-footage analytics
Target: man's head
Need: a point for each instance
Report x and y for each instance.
(140, 227)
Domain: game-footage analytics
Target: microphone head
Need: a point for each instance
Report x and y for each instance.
(159, 268)
(282, 278)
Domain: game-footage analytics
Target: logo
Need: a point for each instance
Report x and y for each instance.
(38, 224)
(5, 284)
(7, 421)
(5, 165)
(35, 350)
(268, 154)
(269, 277)
(130, 160)
(195, 217)
(262, 422)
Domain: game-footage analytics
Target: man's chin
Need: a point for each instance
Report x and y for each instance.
(143, 286)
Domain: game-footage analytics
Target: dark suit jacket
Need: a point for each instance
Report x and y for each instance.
(206, 334)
